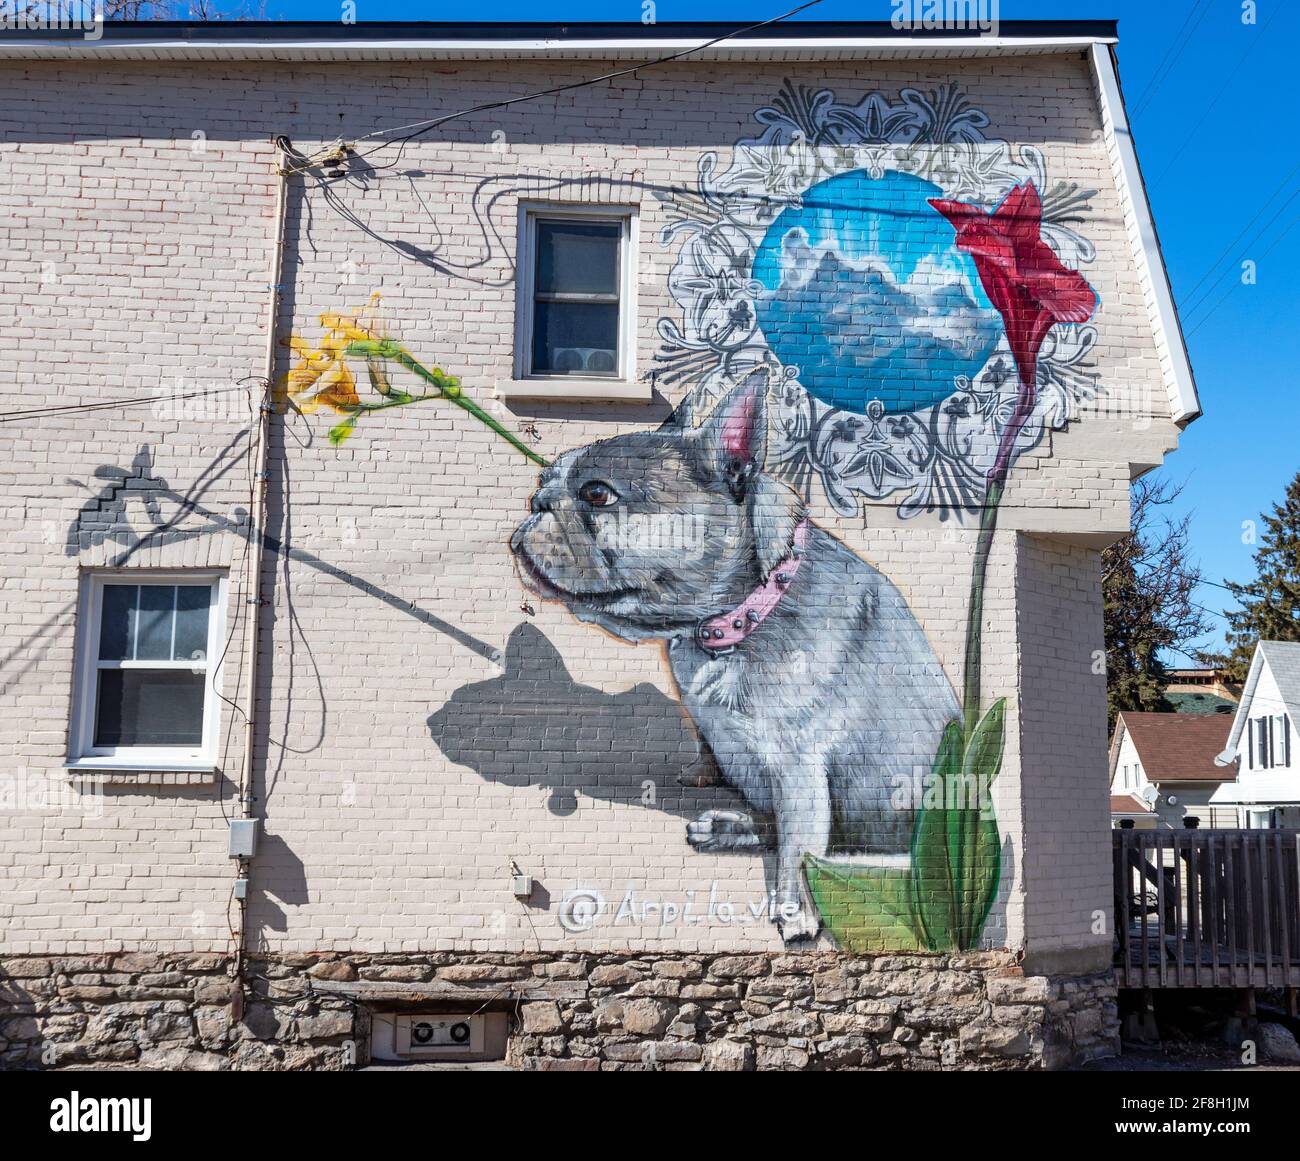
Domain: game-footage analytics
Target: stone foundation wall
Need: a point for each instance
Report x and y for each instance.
(598, 1012)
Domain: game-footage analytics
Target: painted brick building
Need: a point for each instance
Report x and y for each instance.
(768, 734)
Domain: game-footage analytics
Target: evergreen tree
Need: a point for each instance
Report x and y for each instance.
(1270, 604)
(1147, 584)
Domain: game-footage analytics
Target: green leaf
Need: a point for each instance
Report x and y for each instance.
(983, 875)
(956, 851)
(980, 866)
(339, 432)
(934, 888)
(984, 753)
(866, 908)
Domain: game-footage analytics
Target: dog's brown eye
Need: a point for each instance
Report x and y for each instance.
(597, 494)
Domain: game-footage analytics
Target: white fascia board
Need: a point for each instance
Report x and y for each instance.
(1180, 384)
(1243, 707)
(241, 47)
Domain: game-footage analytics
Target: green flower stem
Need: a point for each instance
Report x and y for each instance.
(447, 388)
(975, 611)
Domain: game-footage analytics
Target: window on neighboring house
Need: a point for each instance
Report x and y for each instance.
(147, 676)
(1269, 742)
(576, 293)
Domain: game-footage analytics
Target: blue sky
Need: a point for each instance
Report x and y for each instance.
(1211, 102)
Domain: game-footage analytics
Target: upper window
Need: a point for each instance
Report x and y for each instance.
(147, 673)
(575, 279)
(1269, 741)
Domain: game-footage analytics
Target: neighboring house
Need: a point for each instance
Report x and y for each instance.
(1162, 770)
(544, 748)
(1201, 691)
(1266, 792)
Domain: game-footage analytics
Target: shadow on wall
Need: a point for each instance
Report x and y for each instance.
(535, 726)
(279, 877)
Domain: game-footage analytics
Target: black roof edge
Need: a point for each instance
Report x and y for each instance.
(299, 30)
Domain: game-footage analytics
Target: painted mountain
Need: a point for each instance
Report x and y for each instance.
(867, 295)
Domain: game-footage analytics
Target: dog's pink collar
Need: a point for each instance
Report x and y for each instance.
(727, 630)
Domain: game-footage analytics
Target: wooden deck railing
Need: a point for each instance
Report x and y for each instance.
(1207, 908)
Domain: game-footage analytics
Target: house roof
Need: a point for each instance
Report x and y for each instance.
(1284, 663)
(1127, 804)
(1201, 703)
(1179, 747)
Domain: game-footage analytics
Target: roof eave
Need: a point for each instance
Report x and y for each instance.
(257, 40)
(1243, 706)
(1179, 382)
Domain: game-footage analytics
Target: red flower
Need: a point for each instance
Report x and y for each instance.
(1026, 282)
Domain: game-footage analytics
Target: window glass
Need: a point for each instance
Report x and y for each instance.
(154, 622)
(149, 707)
(154, 618)
(577, 257)
(117, 623)
(575, 338)
(191, 640)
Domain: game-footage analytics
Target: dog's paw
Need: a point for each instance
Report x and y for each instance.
(723, 830)
(700, 773)
(801, 925)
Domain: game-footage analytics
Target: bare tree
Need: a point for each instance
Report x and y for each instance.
(194, 10)
(1148, 580)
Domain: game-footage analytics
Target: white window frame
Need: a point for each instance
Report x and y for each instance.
(83, 754)
(623, 385)
(1269, 742)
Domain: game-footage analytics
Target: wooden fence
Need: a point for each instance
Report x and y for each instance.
(1207, 908)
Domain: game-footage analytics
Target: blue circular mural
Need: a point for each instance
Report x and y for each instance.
(865, 292)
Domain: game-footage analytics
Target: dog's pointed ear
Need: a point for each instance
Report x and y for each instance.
(680, 418)
(734, 437)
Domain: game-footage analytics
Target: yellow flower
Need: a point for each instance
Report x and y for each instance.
(321, 376)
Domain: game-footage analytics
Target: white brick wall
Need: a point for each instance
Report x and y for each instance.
(133, 258)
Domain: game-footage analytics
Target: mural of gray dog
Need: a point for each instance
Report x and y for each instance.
(806, 674)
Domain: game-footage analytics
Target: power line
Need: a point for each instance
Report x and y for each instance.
(422, 127)
(1259, 214)
(1224, 296)
(109, 405)
(1194, 307)
(1219, 95)
(1172, 53)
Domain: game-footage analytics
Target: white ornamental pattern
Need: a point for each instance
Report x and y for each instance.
(936, 457)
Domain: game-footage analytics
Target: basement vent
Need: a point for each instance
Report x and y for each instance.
(439, 1035)
(435, 1036)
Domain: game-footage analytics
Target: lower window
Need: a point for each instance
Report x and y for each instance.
(147, 673)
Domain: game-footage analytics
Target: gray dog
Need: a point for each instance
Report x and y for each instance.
(808, 677)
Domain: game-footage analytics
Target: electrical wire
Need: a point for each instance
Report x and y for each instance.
(1231, 245)
(1175, 48)
(1258, 235)
(422, 127)
(109, 405)
(1224, 296)
(1259, 36)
